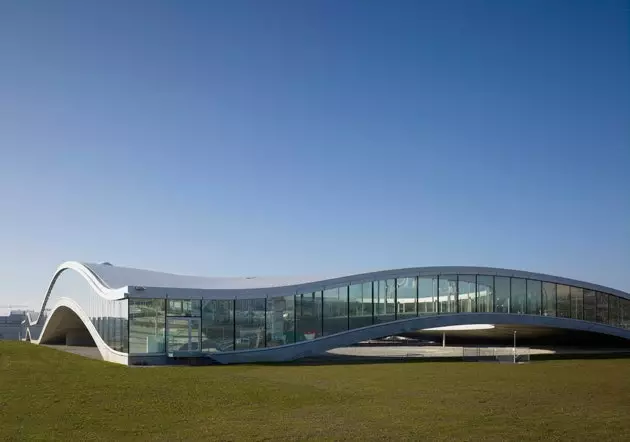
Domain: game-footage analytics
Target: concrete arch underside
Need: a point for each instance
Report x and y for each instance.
(406, 326)
(68, 324)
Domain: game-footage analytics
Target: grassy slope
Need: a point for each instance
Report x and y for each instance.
(48, 394)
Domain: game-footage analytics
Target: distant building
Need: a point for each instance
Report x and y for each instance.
(11, 327)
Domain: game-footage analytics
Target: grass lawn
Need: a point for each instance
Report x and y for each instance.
(49, 394)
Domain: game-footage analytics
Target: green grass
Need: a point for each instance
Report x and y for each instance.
(48, 394)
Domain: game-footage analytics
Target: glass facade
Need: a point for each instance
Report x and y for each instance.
(518, 296)
(467, 293)
(427, 295)
(407, 297)
(447, 293)
(534, 297)
(157, 326)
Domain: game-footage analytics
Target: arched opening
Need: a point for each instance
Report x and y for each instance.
(66, 328)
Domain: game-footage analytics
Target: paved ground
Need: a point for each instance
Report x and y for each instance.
(88, 352)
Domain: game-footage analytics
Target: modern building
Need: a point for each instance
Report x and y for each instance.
(138, 316)
(11, 325)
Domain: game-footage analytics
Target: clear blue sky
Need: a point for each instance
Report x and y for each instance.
(240, 138)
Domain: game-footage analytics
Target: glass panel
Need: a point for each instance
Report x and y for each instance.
(518, 296)
(360, 305)
(577, 303)
(384, 300)
(182, 334)
(614, 311)
(280, 320)
(466, 293)
(590, 305)
(549, 299)
(147, 324)
(534, 296)
(501, 294)
(563, 301)
(406, 297)
(602, 307)
(335, 310)
(485, 295)
(427, 295)
(625, 313)
(308, 315)
(184, 307)
(217, 325)
(249, 330)
(447, 293)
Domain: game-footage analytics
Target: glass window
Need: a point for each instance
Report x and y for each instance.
(335, 310)
(590, 305)
(184, 307)
(577, 303)
(467, 293)
(549, 299)
(625, 313)
(249, 327)
(427, 295)
(406, 297)
(563, 301)
(501, 294)
(485, 293)
(602, 307)
(384, 300)
(534, 297)
(360, 305)
(614, 311)
(182, 334)
(217, 325)
(308, 316)
(518, 296)
(447, 293)
(280, 320)
(147, 325)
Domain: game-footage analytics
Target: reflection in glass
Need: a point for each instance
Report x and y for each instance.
(406, 297)
(384, 300)
(501, 294)
(360, 305)
(280, 320)
(308, 316)
(534, 297)
(613, 311)
(549, 299)
(427, 295)
(335, 310)
(518, 296)
(182, 334)
(147, 325)
(602, 307)
(466, 293)
(447, 293)
(563, 301)
(217, 325)
(577, 303)
(249, 327)
(485, 295)
(184, 307)
(624, 305)
(590, 306)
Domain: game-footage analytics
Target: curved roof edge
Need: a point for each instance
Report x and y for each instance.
(114, 277)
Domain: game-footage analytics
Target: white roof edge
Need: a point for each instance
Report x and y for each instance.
(115, 277)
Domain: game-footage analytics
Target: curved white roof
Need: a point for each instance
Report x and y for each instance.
(115, 277)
